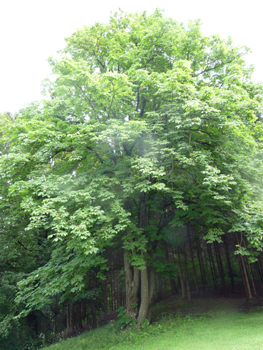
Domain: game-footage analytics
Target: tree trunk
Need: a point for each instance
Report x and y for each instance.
(111, 291)
(151, 279)
(94, 318)
(68, 316)
(229, 265)
(78, 315)
(244, 272)
(181, 276)
(132, 286)
(106, 296)
(220, 267)
(192, 259)
(147, 289)
(212, 265)
(252, 278)
(187, 281)
(246, 280)
(72, 318)
(115, 290)
(257, 266)
(172, 281)
(118, 293)
(201, 270)
(145, 302)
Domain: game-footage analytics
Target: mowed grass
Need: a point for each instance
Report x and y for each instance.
(222, 330)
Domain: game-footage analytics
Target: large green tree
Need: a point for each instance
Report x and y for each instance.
(148, 125)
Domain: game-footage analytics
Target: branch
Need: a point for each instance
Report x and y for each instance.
(216, 66)
(143, 106)
(103, 65)
(99, 158)
(129, 152)
(22, 245)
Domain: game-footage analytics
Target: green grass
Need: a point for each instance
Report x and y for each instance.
(222, 330)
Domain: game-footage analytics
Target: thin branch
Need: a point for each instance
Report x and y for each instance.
(99, 158)
(216, 66)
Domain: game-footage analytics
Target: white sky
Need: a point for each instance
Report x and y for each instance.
(32, 30)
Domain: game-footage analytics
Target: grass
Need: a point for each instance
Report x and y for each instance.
(220, 329)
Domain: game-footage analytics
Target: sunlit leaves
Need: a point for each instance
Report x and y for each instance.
(148, 126)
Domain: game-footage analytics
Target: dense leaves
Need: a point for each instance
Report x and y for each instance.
(147, 126)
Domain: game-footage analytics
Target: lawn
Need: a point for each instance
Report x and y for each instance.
(221, 326)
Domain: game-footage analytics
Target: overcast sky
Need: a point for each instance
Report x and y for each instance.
(32, 30)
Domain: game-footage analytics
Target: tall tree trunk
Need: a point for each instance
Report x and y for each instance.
(212, 265)
(160, 286)
(257, 267)
(243, 271)
(220, 267)
(132, 283)
(106, 296)
(249, 295)
(55, 320)
(230, 271)
(111, 291)
(187, 280)
(181, 276)
(78, 315)
(192, 259)
(151, 279)
(250, 271)
(147, 289)
(68, 316)
(145, 302)
(118, 293)
(202, 273)
(147, 273)
(72, 317)
(252, 278)
(172, 281)
(94, 318)
(114, 290)
(260, 261)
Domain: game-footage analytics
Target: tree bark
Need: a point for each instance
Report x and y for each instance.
(246, 280)
(144, 296)
(172, 281)
(220, 267)
(201, 270)
(212, 265)
(229, 265)
(68, 316)
(192, 259)
(244, 272)
(151, 274)
(147, 289)
(94, 318)
(132, 286)
(106, 296)
(257, 266)
(181, 276)
(78, 315)
(187, 280)
(252, 278)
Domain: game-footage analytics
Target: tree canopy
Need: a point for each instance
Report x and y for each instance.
(147, 126)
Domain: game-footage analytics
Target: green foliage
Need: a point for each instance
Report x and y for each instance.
(148, 125)
(123, 321)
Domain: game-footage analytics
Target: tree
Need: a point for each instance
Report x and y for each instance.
(149, 126)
